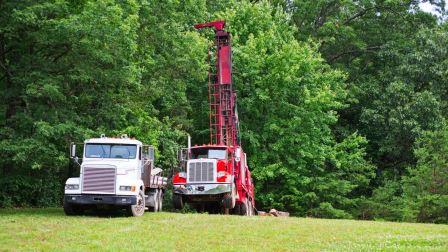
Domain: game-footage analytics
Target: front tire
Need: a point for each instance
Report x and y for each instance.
(229, 199)
(178, 201)
(139, 208)
(71, 209)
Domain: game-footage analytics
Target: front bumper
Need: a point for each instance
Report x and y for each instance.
(92, 199)
(203, 189)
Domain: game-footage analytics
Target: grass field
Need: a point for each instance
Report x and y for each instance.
(50, 229)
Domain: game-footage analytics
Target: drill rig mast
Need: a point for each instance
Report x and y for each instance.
(222, 98)
(217, 174)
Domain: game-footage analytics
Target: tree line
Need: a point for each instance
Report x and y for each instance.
(343, 104)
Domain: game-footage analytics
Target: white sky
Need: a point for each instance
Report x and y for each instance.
(427, 7)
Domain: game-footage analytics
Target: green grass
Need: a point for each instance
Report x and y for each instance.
(50, 229)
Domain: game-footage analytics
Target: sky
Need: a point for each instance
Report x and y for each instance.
(427, 7)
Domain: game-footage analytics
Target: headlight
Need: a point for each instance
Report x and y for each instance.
(71, 187)
(127, 188)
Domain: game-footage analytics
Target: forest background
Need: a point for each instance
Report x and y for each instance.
(343, 104)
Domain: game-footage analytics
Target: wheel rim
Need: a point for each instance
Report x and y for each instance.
(139, 207)
(156, 201)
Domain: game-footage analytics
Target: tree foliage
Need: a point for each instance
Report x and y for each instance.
(426, 186)
(342, 103)
(287, 102)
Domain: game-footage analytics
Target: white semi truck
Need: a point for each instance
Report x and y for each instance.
(117, 172)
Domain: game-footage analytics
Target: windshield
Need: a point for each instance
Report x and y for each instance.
(209, 153)
(127, 151)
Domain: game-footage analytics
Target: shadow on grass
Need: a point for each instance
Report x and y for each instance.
(32, 212)
(54, 212)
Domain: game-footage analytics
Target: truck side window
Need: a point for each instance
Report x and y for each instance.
(140, 153)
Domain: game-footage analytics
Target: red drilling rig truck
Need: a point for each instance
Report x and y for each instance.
(215, 177)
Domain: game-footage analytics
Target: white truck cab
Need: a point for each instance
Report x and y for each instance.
(117, 172)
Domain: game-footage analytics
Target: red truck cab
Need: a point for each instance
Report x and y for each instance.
(214, 177)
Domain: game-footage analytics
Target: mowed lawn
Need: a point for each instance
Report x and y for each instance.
(50, 229)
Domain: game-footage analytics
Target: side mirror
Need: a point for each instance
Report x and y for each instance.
(151, 153)
(148, 152)
(72, 150)
(182, 155)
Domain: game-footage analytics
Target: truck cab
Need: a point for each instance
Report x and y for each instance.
(116, 172)
(214, 173)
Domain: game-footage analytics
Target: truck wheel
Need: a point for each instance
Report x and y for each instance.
(237, 209)
(160, 200)
(244, 208)
(139, 208)
(229, 199)
(72, 209)
(178, 201)
(254, 210)
(68, 208)
(156, 201)
(251, 208)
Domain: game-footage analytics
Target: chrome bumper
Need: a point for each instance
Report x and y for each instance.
(202, 189)
(92, 199)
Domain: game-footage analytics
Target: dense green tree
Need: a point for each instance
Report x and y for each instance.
(57, 57)
(342, 103)
(394, 55)
(75, 70)
(426, 186)
(287, 102)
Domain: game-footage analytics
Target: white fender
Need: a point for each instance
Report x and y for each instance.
(156, 171)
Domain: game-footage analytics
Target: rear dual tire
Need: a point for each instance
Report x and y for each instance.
(246, 208)
(158, 201)
(251, 208)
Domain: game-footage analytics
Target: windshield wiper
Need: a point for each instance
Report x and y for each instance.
(104, 152)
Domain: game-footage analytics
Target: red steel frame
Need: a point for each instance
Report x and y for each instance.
(223, 117)
(224, 129)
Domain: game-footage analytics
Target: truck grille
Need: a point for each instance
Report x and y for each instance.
(201, 172)
(98, 180)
